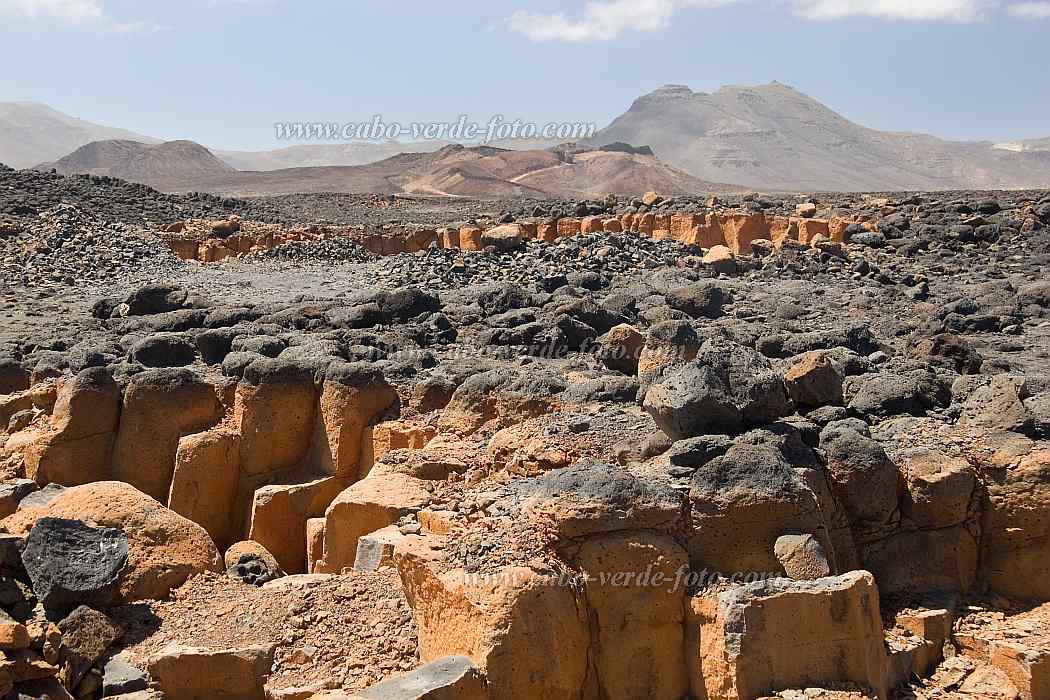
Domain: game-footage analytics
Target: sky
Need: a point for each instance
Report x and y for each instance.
(224, 72)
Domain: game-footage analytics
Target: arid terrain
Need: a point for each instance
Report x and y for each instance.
(704, 444)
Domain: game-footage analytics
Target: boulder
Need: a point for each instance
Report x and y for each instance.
(802, 557)
(864, 479)
(1015, 543)
(701, 300)
(788, 634)
(251, 563)
(503, 238)
(274, 412)
(279, 513)
(621, 349)
(368, 505)
(13, 377)
(120, 678)
(721, 260)
(164, 549)
(188, 673)
(741, 504)
(669, 346)
(593, 498)
(635, 591)
(447, 678)
(725, 389)
(939, 490)
(72, 564)
(165, 350)
(528, 637)
(814, 381)
(86, 636)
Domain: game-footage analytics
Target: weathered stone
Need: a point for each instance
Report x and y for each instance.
(789, 634)
(448, 678)
(187, 673)
(74, 564)
(86, 635)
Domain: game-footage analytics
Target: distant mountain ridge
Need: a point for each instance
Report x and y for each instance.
(775, 137)
(568, 170)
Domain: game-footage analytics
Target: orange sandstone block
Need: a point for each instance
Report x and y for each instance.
(612, 226)
(629, 222)
(547, 232)
(591, 224)
(740, 229)
(709, 233)
(782, 229)
(528, 231)
(837, 228)
(682, 227)
(808, 229)
(470, 238)
(646, 224)
(568, 227)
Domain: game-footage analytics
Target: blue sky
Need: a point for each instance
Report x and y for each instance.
(222, 72)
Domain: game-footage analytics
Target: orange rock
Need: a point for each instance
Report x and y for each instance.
(353, 396)
(591, 224)
(636, 617)
(274, 412)
(205, 480)
(547, 232)
(740, 230)
(529, 231)
(786, 634)
(449, 237)
(279, 515)
(709, 234)
(721, 259)
(187, 673)
(75, 446)
(683, 227)
(809, 229)
(393, 435)
(837, 228)
(470, 238)
(646, 223)
(369, 505)
(529, 638)
(568, 227)
(612, 226)
(629, 222)
(160, 406)
(782, 229)
(164, 549)
(314, 543)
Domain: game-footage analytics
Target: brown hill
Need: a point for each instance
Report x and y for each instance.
(774, 137)
(164, 165)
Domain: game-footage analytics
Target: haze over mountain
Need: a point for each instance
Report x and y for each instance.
(774, 137)
(31, 133)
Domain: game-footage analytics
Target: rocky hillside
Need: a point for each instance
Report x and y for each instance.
(32, 133)
(163, 165)
(774, 137)
(460, 171)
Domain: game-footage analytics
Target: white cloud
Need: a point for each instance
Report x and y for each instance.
(604, 20)
(951, 10)
(1030, 10)
(75, 11)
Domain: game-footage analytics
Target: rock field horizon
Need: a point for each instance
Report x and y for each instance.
(730, 446)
